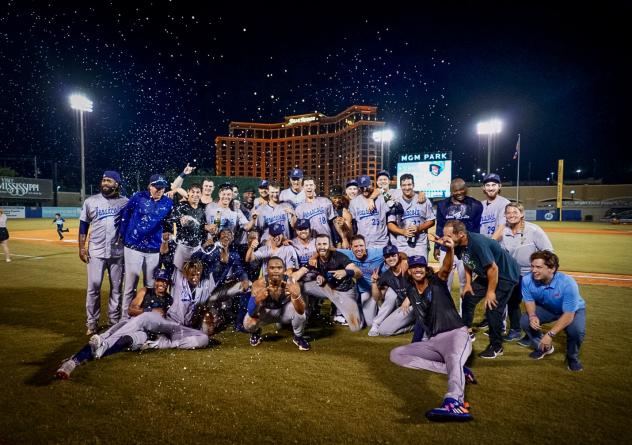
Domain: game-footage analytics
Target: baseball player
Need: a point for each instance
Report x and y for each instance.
(219, 215)
(147, 300)
(334, 281)
(370, 217)
(342, 224)
(190, 220)
(273, 212)
(100, 215)
(275, 246)
(294, 195)
(318, 210)
(447, 345)
(394, 315)
(493, 216)
(410, 220)
(141, 230)
(275, 299)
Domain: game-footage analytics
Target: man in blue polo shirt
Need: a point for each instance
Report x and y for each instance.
(551, 296)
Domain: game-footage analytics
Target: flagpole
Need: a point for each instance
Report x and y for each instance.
(518, 175)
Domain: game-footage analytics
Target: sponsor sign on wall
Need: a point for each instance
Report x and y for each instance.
(25, 188)
(14, 212)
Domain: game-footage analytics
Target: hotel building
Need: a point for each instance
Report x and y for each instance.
(329, 149)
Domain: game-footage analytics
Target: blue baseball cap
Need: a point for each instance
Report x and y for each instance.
(302, 224)
(158, 181)
(264, 184)
(351, 183)
(389, 250)
(492, 177)
(383, 173)
(296, 173)
(277, 229)
(364, 181)
(417, 260)
(336, 190)
(112, 175)
(162, 274)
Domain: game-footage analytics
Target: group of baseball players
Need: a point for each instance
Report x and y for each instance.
(274, 256)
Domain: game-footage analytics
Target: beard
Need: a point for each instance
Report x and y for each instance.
(108, 191)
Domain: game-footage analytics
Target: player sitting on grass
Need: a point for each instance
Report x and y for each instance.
(273, 300)
(147, 300)
(447, 344)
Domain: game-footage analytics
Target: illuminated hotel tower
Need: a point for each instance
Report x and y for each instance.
(329, 149)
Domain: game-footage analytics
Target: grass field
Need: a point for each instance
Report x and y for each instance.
(344, 390)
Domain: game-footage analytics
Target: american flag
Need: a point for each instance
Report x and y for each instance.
(517, 153)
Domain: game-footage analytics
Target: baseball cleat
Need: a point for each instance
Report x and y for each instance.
(65, 369)
(451, 411)
(374, 331)
(95, 342)
(303, 345)
(255, 338)
(575, 365)
(490, 352)
(91, 331)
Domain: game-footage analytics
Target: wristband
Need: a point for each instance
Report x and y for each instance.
(182, 175)
(533, 316)
(349, 273)
(550, 334)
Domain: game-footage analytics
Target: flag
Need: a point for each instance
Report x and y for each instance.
(517, 153)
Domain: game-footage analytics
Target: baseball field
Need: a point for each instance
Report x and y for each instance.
(344, 390)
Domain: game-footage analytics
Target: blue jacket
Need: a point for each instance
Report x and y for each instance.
(222, 272)
(143, 220)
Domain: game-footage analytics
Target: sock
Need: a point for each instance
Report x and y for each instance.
(83, 355)
(122, 344)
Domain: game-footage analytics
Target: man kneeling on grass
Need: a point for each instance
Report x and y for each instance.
(446, 345)
(551, 296)
(273, 300)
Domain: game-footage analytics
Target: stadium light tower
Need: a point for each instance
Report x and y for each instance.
(382, 136)
(491, 128)
(81, 104)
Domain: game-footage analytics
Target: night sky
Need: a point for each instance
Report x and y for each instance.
(167, 77)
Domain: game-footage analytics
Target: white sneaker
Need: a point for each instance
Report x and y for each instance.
(8, 260)
(66, 368)
(91, 331)
(97, 346)
(373, 332)
(339, 319)
(150, 344)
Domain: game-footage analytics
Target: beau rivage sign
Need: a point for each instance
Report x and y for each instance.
(25, 188)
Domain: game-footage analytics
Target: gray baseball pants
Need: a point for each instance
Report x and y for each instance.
(346, 301)
(369, 307)
(392, 320)
(96, 268)
(135, 263)
(445, 353)
(286, 315)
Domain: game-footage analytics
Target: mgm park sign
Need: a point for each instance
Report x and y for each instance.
(26, 188)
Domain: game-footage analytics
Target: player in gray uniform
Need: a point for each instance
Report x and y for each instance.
(221, 213)
(294, 195)
(409, 221)
(273, 247)
(493, 216)
(304, 244)
(273, 212)
(318, 210)
(371, 223)
(189, 292)
(100, 214)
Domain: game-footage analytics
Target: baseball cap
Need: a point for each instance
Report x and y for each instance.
(264, 184)
(492, 177)
(162, 274)
(112, 175)
(249, 190)
(383, 173)
(158, 181)
(277, 229)
(226, 186)
(296, 173)
(389, 250)
(364, 181)
(336, 190)
(351, 183)
(302, 224)
(417, 260)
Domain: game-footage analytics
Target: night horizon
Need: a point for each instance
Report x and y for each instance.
(167, 79)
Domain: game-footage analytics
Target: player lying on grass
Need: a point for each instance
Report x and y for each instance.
(276, 300)
(446, 345)
(156, 300)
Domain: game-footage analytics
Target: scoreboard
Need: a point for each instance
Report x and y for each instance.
(432, 171)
